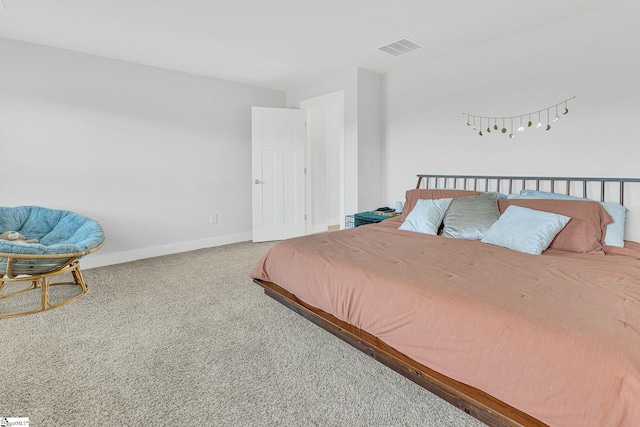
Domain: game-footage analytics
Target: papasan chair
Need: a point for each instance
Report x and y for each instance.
(36, 245)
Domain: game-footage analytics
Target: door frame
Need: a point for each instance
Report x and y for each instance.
(322, 101)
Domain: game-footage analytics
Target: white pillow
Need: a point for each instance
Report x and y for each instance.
(525, 230)
(426, 216)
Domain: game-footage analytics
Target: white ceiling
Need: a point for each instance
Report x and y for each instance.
(278, 44)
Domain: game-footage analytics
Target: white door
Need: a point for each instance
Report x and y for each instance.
(278, 167)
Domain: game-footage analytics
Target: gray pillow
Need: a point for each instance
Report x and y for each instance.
(471, 217)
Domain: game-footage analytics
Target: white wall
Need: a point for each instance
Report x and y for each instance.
(347, 83)
(593, 57)
(370, 163)
(362, 133)
(149, 153)
(316, 168)
(332, 182)
(325, 177)
(323, 166)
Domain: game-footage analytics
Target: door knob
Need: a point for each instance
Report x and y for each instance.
(256, 181)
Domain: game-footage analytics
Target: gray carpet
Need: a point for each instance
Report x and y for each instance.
(189, 340)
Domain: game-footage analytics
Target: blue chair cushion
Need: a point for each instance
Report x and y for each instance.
(57, 231)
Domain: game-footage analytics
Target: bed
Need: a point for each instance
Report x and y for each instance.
(510, 336)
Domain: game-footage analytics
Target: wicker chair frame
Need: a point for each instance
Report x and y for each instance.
(37, 271)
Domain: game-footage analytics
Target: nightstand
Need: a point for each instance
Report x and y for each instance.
(364, 218)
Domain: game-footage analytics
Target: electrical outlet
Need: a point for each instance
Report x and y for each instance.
(213, 218)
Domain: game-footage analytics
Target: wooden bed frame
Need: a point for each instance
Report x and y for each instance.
(473, 401)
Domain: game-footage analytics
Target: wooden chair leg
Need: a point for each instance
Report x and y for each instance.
(78, 278)
(44, 293)
(45, 281)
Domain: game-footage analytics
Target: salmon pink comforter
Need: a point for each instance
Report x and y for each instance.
(556, 335)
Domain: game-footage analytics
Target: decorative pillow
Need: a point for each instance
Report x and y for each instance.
(615, 230)
(584, 234)
(426, 216)
(525, 230)
(413, 196)
(470, 217)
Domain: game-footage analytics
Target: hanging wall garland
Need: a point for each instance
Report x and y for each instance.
(503, 121)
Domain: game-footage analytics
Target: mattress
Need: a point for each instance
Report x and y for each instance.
(556, 335)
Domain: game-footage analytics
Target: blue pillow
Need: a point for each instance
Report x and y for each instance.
(525, 230)
(615, 230)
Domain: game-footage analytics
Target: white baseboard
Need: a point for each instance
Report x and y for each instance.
(319, 228)
(96, 260)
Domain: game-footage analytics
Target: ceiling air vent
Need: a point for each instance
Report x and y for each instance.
(400, 47)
